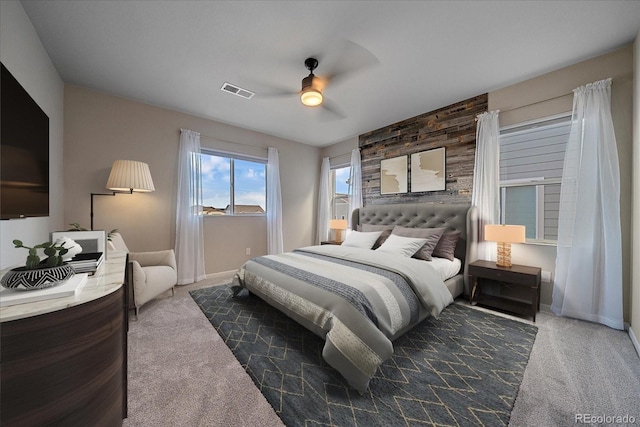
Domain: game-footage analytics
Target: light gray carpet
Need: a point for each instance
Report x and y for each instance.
(182, 374)
(578, 367)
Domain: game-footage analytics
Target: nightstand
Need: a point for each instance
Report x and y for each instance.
(330, 242)
(515, 289)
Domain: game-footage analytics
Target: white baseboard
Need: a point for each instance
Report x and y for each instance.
(222, 274)
(634, 340)
(545, 308)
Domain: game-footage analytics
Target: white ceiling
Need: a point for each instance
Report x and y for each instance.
(177, 54)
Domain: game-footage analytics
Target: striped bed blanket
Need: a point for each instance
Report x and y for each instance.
(357, 300)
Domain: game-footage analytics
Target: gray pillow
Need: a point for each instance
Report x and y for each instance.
(446, 247)
(431, 234)
(386, 230)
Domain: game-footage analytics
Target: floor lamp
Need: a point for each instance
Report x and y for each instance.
(126, 176)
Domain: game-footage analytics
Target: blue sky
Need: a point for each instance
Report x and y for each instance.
(342, 176)
(250, 182)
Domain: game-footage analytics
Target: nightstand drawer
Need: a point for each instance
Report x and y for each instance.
(519, 274)
(504, 276)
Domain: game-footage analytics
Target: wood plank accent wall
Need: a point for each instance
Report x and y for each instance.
(452, 127)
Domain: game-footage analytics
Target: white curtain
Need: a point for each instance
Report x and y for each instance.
(324, 202)
(189, 235)
(486, 179)
(588, 277)
(274, 204)
(355, 184)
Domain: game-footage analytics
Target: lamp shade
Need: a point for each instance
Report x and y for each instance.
(338, 224)
(129, 175)
(311, 97)
(504, 233)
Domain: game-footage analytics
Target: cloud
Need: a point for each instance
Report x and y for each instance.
(343, 173)
(213, 164)
(245, 171)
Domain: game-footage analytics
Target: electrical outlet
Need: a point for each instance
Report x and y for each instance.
(248, 251)
(545, 276)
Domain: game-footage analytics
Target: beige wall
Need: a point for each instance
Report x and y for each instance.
(551, 94)
(24, 56)
(340, 152)
(100, 128)
(635, 260)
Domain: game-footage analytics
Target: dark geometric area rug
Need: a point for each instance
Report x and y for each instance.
(462, 369)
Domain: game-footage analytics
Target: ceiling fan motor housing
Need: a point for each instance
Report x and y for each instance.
(311, 64)
(308, 81)
(310, 95)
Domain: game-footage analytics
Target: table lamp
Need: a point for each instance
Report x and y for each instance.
(338, 225)
(505, 235)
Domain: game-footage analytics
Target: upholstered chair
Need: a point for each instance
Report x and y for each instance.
(152, 272)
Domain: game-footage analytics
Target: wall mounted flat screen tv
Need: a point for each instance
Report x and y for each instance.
(24, 152)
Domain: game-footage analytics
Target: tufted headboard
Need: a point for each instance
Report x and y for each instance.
(463, 218)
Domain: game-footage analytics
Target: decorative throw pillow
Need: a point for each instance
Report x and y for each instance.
(386, 230)
(446, 247)
(359, 239)
(431, 234)
(405, 246)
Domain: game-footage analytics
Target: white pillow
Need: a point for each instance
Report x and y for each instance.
(359, 239)
(446, 268)
(405, 246)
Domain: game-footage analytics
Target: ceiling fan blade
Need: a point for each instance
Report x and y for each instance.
(264, 90)
(330, 111)
(351, 58)
(276, 93)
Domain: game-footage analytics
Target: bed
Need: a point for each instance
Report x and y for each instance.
(360, 299)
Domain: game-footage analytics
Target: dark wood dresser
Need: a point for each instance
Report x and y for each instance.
(64, 361)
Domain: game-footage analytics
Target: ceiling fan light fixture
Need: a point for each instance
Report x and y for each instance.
(311, 97)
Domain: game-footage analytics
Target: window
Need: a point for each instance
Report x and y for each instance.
(233, 184)
(531, 162)
(340, 192)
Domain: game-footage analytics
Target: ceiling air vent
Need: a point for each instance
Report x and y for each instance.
(236, 90)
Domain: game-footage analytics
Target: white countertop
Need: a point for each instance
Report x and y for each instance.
(108, 278)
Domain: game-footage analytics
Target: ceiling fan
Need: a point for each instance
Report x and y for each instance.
(311, 92)
(349, 59)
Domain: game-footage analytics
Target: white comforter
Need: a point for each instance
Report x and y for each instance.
(357, 300)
